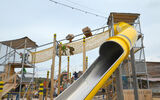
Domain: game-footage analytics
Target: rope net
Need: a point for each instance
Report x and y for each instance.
(72, 48)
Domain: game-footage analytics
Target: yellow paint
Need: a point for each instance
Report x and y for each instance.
(70, 75)
(84, 39)
(68, 58)
(47, 73)
(41, 89)
(87, 57)
(55, 35)
(41, 84)
(1, 86)
(126, 36)
(1, 82)
(40, 93)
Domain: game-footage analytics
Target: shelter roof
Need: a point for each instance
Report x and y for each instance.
(153, 68)
(153, 62)
(151, 79)
(122, 17)
(20, 43)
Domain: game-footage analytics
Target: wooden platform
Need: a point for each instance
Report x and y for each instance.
(10, 68)
(19, 65)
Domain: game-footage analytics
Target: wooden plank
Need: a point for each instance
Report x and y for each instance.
(29, 93)
(118, 17)
(2, 76)
(41, 91)
(19, 65)
(7, 88)
(86, 62)
(128, 94)
(59, 73)
(68, 59)
(47, 85)
(52, 68)
(84, 55)
(144, 94)
(11, 77)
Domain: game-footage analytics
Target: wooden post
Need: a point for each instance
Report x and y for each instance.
(109, 93)
(52, 67)
(84, 54)
(28, 93)
(59, 73)
(1, 89)
(47, 83)
(41, 92)
(86, 62)
(68, 69)
(119, 84)
(106, 93)
(135, 85)
(15, 78)
(70, 76)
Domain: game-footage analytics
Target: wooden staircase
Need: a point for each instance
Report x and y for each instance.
(8, 87)
(9, 84)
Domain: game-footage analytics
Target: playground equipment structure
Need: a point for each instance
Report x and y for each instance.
(12, 60)
(115, 45)
(112, 53)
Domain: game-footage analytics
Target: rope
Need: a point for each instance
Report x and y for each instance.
(84, 6)
(65, 5)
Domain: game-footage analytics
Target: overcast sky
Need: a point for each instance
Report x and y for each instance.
(40, 19)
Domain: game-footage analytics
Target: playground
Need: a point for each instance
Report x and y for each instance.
(117, 74)
(59, 50)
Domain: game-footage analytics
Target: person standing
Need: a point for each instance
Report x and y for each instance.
(75, 75)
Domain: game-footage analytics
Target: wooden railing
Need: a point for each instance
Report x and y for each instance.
(13, 77)
(2, 76)
(9, 83)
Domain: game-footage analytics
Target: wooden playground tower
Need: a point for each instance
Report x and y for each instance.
(133, 68)
(11, 59)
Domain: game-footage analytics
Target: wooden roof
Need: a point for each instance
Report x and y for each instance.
(151, 79)
(122, 17)
(153, 68)
(20, 43)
